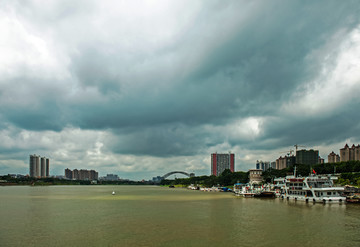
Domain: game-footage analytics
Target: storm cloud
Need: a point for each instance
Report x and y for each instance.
(139, 88)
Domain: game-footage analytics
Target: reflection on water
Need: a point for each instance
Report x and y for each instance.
(156, 216)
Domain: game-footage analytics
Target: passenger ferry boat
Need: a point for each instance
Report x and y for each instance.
(252, 190)
(244, 190)
(279, 186)
(314, 188)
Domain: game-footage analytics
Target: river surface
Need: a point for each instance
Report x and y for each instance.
(159, 216)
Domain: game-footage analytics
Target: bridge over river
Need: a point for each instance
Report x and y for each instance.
(180, 172)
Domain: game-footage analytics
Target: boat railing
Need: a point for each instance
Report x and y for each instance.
(321, 186)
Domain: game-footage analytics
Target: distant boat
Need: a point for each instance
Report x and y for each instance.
(113, 193)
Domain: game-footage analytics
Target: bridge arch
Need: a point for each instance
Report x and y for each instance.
(174, 172)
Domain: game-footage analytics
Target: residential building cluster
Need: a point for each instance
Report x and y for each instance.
(265, 165)
(110, 177)
(310, 157)
(347, 153)
(221, 162)
(39, 166)
(81, 174)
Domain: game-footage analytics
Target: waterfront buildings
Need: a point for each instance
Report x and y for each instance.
(265, 165)
(34, 165)
(111, 177)
(347, 153)
(38, 167)
(284, 162)
(333, 157)
(255, 176)
(47, 172)
(220, 162)
(42, 167)
(307, 157)
(81, 174)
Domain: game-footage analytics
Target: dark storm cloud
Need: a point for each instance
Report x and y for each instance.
(217, 75)
(250, 73)
(315, 131)
(265, 61)
(164, 141)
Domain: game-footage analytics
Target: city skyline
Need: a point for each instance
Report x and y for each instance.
(141, 88)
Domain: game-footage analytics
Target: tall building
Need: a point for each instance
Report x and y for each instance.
(307, 157)
(347, 153)
(42, 167)
(333, 157)
(284, 162)
(47, 172)
(38, 167)
(81, 174)
(68, 173)
(114, 177)
(220, 162)
(34, 170)
(265, 165)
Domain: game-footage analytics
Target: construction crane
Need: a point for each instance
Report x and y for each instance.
(288, 153)
(296, 146)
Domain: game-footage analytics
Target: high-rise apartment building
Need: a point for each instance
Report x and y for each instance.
(47, 172)
(221, 162)
(347, 153)
(333, 157)
(81, 174)
(38, 167)
(68, 173)
(265, 165)
(284, 162)
(34, 170)
(307, 157)
(42, 167)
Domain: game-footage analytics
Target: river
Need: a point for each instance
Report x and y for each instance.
(159, 216)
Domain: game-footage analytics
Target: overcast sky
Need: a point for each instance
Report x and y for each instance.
(142, 88)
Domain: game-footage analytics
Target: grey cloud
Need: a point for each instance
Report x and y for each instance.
(163, 141)
(236, 60)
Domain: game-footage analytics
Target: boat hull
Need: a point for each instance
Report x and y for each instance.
(316, 199)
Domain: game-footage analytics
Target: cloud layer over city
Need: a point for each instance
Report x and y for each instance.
(141, 88)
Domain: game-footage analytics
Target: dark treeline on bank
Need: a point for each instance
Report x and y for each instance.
(349, 170)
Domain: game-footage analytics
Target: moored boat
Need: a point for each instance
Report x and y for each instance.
(314, 188)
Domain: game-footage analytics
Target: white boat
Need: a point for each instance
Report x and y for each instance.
(312, 189)
(245, 190)
(279, 186)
